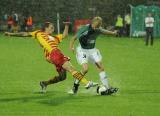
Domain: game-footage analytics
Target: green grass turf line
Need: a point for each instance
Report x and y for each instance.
(131, 66)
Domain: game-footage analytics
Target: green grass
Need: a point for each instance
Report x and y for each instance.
(131, 66)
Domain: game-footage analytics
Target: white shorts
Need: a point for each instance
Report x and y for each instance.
(88, 55)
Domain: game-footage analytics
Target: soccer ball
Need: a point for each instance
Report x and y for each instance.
(101, 90)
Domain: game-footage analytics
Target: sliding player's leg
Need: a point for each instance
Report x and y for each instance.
(76, 84)
(60, 77)
(77, 75)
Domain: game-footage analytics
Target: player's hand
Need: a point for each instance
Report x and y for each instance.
(7, 33)
(67, 22)
(115, 32)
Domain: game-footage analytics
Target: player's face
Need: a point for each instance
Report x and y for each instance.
(97, 24)
(50, 29)
(149, 14)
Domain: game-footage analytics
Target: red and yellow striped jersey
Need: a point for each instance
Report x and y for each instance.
(47, 42)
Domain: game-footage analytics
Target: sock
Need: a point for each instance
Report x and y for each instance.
(104, 79)
(78, 76)
(75, 88)
(77, 81)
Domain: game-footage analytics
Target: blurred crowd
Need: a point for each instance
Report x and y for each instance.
(16, 22)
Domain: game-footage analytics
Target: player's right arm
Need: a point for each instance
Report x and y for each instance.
(72, 42)
(80, 32)
(19, 34)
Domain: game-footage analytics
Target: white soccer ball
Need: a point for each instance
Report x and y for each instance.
(101, 89)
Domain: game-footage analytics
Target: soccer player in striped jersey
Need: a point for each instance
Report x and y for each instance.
(54, 55)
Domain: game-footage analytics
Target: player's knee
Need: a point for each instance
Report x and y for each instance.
(62, 76)
(101, 69)
(85, 70)
(68, 66)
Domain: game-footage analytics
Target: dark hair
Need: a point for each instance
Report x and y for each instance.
(45, 25)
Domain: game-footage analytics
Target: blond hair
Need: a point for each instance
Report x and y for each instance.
(97, 19)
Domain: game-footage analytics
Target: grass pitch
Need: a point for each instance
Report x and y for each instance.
(131, 66)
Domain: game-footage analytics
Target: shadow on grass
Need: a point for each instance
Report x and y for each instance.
(24, 97)
(53, 98)
(55, 101)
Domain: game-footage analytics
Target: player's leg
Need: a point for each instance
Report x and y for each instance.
(63, 62)
(62, 76)
(76, 82)
(152, 37)
(84, 70)
(55, 79)
(102, 74)
(77, 75)
(147, 36)
(82, 59)
(58, 59)
(96, 56)
(97, 59)
(104, 79)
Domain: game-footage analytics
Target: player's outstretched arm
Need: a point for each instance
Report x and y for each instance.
(107, 32)
(19, 34)
(66, 28)
(72, 41)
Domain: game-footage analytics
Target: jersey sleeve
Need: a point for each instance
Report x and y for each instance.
(34, 33)
(81, 31)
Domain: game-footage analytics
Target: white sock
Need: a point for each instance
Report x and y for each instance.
(104, 79)
(76, 81)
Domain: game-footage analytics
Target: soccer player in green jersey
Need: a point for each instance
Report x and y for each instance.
(86, 52)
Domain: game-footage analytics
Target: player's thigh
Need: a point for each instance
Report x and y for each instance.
(81, 56)
(68, 66)
(96, 56)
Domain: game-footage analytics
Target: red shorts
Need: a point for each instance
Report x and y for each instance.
(58, 59)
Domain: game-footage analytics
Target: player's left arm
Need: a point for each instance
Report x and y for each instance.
(107, 32)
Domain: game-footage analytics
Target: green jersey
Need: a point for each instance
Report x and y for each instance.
(87, 36)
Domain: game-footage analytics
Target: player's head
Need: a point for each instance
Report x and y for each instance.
(149, 14)
(96, 22)
(48, 27)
